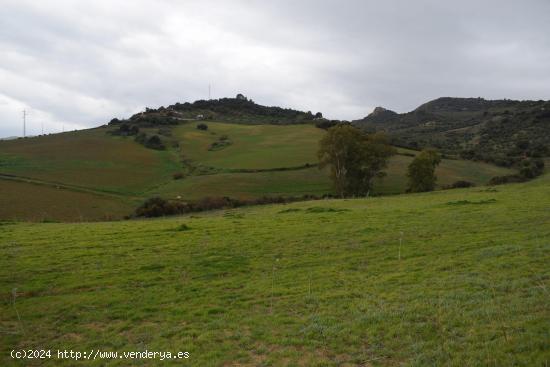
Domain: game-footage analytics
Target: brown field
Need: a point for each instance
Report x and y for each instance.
(27, 201)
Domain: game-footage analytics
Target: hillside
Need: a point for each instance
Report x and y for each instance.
(237, 110)
(105, 173)
(499, 131)
(456, 278)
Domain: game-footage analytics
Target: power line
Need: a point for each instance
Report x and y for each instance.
(24, 123)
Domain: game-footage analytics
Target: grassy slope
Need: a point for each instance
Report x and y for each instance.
(87, 158)
(295, 284)
(94, 163)
(448, 172)
(268, 146)
(253, 147)
(249, 185)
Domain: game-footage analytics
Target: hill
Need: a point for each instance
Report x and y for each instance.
(500, 131)
(238, 110)
(457, 277)
(106, 172)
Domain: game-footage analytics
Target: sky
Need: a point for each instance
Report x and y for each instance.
(78, 64)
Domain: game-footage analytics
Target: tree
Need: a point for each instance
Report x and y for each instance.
(530, 168)
(421, 172)
(354, 158)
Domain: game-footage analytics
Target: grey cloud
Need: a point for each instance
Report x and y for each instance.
(82, 63)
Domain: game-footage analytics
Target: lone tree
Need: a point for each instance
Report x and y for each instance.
(421, 171)
(354, 157)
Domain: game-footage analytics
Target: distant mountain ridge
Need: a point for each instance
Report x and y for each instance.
(499, 131)
(380, 115)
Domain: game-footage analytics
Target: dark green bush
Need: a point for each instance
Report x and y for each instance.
(154, 142)
(461, 184)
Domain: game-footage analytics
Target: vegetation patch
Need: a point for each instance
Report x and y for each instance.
(151, 142)
(158, 207)
(459, 185)
(222, 142)
(183, 227)
(289, 210)
(153, 267)
(178, 176)
(320, 209)
(468, 202)
(125, 129)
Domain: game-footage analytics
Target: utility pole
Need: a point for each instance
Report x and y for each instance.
(209, 95)
(24, 123)
(42, 124)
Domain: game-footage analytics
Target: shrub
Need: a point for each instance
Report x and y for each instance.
(158, 207)
(164, 131)
(202, 126)
(154, 142)
(177, 176)
(467, 154)
(531, 168)
(326, 124)
(126, 129)
(500, 180)
(183, 227)
(461, 184)
(141, 138)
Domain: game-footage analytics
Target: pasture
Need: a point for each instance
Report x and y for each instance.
(456, 278)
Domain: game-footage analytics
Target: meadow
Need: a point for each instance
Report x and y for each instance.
(456, 278)
(72, 176)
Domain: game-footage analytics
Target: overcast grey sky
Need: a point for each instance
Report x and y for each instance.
(81, 63)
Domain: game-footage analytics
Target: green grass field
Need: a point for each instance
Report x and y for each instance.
(454, 278)
(249, 185)
(253, 146)
(88, 167)
(88, 158)
(448, 172)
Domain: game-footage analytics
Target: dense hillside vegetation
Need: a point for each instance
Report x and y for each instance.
(238, 110)
(501, 131)
(457, 278)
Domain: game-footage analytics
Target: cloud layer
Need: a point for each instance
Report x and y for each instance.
(76, 64)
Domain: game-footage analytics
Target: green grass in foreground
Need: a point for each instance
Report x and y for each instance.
(457, 278)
